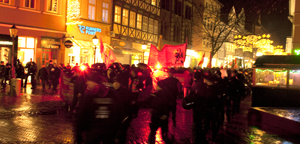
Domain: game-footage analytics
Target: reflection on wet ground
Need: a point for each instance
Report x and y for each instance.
(289, 113)
(41, 117)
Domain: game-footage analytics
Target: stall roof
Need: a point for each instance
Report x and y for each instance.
(271, 61)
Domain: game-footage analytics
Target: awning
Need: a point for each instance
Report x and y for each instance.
(88, 44)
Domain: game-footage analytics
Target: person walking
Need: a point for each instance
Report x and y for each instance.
(2, 74)
(49, 68)
(43, 75)
(27, 66)
(7, 75)
(32, 72)
(54, 77)
(161, 108)
(134, 83)
(20, 71)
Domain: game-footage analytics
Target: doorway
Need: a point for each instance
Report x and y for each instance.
(49, 54)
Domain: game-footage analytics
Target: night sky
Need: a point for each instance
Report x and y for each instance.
(274, 16)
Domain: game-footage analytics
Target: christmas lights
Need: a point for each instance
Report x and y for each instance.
(73, 13)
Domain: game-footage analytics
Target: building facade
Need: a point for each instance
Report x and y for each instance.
(176, 25)
(135, 26)
(41, 27)
(85, 20)
(294, 18)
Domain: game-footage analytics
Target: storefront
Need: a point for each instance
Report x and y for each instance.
(5, 48)
(83, 49)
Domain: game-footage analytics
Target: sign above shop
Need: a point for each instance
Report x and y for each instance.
(88, 30)
(68, 43)
(50, 43)
(6, 43)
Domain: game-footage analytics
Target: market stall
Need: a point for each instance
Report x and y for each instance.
(276, 81)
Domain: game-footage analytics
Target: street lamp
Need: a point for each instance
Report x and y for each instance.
(13, 34)
(95, 42)
(144, 47)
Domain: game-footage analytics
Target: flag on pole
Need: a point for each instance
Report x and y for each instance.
(101, 46)
(202, 60)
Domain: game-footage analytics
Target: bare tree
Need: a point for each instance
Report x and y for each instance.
(209, 29)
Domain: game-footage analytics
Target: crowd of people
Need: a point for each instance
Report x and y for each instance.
(106, 100)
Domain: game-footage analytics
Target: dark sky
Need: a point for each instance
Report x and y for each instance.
(274, 16)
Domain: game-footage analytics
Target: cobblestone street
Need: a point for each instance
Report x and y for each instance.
(41, 117)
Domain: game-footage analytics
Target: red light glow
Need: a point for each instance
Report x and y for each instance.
(82, 68)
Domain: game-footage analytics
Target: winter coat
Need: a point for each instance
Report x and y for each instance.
(43, 74)
(2, 71)
(32, 69)
(54, 73)
(20, 71)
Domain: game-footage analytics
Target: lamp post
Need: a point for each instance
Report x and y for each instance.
(95, 42)
(144, 47)
(13, 34)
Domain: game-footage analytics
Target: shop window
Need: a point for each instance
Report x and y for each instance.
(294, 79)
(105, 12)
(139, 21)
(271, 77)
(30, 3)
(26, 42)
(117, 14)
(5, 1)
(125, 17)
(145, 23)
(52, 6)
(155, 27)
(150, 25)
(132, 19)
(92, 4)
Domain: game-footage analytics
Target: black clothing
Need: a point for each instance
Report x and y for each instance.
(43, 74)
(20, 72)
(2, 71)
(54, 77)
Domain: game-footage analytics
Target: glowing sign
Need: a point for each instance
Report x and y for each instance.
(297, 52)
(88, 30)
(6, 43)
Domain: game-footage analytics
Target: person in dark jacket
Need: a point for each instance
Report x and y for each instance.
(175, 87)
(49, 68)
(2, 74)
(43, 75)
(54, 77)
(20, 71)
(7, 75)
(161, 102)
(134, 83)
(32, 72)
(100, 115)
(26, 74)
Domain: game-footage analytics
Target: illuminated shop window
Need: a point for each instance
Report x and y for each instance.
(294, 79)
(92, 4)
(26, 42)
(105, 12)
(271, 77)
(5, 1)
(132, 19)
(145, 23)
(125, 17)
(30, 3)
(139, 21)
(117, 14)
(52, 5)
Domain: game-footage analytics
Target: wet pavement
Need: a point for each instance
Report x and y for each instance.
(288, 113)
(40, 117)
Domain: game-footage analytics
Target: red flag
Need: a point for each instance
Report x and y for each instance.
(202, 60)
(101, 46)
(111, 58)
(169, 55)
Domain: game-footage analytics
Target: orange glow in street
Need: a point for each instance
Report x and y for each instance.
(158, 66)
